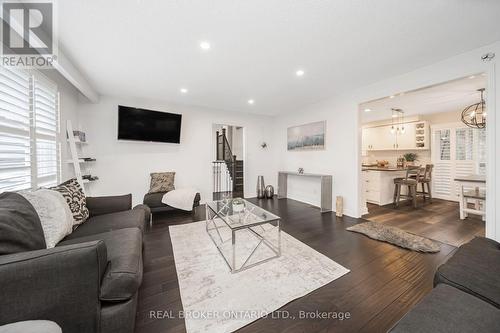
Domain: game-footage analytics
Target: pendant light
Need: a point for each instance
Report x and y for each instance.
(399, 114)
(474, 115)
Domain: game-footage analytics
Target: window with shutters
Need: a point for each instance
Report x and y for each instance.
(481, 150)
(29, 131)
(443, 137)
(464, 146)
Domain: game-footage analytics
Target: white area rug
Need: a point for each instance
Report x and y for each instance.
(214, 300)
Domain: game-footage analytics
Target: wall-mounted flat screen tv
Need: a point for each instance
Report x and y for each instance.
(147, 125)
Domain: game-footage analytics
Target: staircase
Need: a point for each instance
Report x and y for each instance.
(227, 170)
(238, 179)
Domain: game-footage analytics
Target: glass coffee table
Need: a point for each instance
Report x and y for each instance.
(245, 234)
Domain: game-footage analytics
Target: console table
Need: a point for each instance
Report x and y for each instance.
(326, 187)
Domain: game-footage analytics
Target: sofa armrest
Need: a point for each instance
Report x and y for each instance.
(61, 284)
(107, 205)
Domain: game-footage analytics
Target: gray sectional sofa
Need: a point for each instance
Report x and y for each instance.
(89, 282)
(466, 294)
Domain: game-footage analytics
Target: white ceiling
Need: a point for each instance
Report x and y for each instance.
(150, 48)
(450, 96)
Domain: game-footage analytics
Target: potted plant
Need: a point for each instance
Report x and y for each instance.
(410, 158)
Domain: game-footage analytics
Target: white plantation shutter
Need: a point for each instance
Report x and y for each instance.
(456, 152)
(29, 127)
(15, 121)
(481, 151)
(442, 174)
(46, 132)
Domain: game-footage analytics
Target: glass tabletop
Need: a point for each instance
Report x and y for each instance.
(238, 213)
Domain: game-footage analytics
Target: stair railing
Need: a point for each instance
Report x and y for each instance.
(224, 170)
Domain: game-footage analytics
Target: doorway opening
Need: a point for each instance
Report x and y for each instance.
(228, 162)
(423, 168)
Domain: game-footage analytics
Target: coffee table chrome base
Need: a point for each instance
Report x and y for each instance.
(213, 230)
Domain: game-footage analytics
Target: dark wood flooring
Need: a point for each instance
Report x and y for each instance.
(438, 220)
(384, 283)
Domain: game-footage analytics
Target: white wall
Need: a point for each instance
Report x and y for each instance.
(341, 158)
(124, 166)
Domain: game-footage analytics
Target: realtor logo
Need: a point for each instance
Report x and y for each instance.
(28, 34)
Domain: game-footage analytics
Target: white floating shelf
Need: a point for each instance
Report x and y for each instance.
(80, 142)
(80, 161)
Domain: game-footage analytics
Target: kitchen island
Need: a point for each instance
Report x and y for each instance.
(378, 183)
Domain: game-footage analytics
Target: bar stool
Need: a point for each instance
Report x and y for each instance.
(411, 181)
(426, 179)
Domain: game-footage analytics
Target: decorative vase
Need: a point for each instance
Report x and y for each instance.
(339, 211)
(260, 187)
(269, 191)
(238, 206)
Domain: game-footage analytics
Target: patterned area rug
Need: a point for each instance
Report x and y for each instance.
(396, 236)
(214, 300)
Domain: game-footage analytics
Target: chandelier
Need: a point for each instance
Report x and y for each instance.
(475, 115)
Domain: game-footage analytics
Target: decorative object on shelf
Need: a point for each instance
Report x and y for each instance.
(263, 145)
(260, 187)
(474, 115)
(80, 135)
(90, 178)
(238, 205)
(301, 171)
(339, 211)
(269, 191)
(400, 162)
(410, 158)
(307, 137)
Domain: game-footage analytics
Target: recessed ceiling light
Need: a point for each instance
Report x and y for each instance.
(184, 90)
(251, 101)
(368, 110)
(472, 77)
(300, 72)
(204, 45)
(392, 96)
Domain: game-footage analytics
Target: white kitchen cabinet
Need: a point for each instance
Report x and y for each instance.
(415, 136)
(379, 186)
(406, 140)
(383, 138)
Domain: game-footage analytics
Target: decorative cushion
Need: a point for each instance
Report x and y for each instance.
(20, 227)
(162, 182)
(75, 198)
(54, 213)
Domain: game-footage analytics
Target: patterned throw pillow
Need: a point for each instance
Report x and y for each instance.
(162, 182)
(73, 193)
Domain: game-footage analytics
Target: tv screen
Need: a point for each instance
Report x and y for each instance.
(147, 125)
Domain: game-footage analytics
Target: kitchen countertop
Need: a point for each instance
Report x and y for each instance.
(382, 169)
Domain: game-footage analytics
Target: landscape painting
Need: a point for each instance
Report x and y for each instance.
(307, 137)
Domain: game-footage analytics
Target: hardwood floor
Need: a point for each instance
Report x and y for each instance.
(384, 283)
(438, 220)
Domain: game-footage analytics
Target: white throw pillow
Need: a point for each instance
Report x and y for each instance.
(54, 214)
